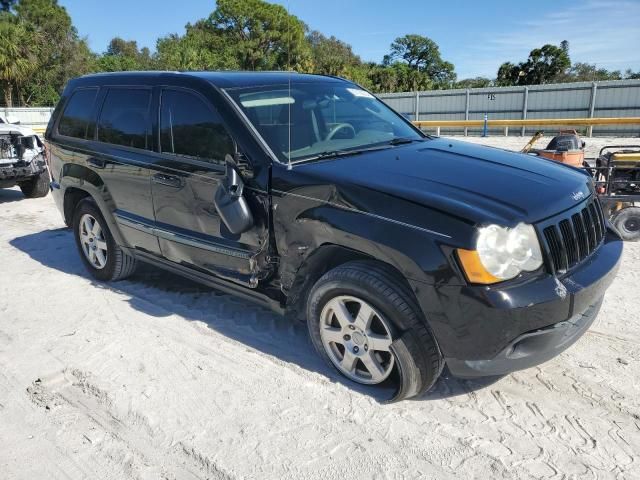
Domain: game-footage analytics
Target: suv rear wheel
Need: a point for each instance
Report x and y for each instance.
(365, 323)
(102, 256)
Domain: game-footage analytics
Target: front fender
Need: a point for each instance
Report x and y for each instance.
(303, 225)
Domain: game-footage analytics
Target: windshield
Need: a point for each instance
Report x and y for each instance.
(311, 120)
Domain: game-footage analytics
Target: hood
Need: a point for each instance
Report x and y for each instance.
(10, 128)
(479, 184)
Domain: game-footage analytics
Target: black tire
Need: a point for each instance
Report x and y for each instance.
(627, 222)
(119, 265)
(418, 360)
(37, 187)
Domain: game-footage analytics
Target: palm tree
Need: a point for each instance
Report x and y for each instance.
(18, 59)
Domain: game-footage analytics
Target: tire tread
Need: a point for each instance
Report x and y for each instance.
(124, 265)
(390, 288)
(37, 187)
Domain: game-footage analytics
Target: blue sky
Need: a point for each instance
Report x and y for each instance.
(477, 36)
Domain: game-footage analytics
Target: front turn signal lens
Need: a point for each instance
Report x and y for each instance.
(474, 269)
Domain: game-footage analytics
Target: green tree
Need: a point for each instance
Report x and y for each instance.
(630, 74)
(61, 54)
(544, 65)
(398, 77)
(264, 36)
(123, 55)
(199, 49)
(422, 54)
(586, 72)
(361, 74)
(477, 82)
(509, 74)
(331, 56)
(18, 56)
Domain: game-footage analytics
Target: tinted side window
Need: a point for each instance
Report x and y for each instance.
(124, 119)
(188, 126)
(76, 117)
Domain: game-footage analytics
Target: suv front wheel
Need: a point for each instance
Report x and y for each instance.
(36, 187)
(102, 256)
(364, 322)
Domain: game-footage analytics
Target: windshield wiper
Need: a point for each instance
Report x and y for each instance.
(344, 153)
(404, 140)
(340, 153)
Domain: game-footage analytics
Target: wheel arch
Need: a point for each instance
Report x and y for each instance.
(76, 190)
(72, 197)
(327, 257)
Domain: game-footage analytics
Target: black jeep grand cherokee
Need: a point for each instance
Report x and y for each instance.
(403, 252)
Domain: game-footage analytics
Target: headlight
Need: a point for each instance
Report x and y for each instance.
(501, 253)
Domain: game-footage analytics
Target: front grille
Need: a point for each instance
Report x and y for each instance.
(572, 238)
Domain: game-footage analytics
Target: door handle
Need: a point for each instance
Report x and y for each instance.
(168, 180)
(96, 162)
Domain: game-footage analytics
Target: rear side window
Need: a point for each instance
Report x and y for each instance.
(76, 117)
(124, 119)
(190, 127)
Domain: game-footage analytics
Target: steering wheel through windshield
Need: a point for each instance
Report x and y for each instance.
(340, 126)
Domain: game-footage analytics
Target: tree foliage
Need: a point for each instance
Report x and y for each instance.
(53, 49)
(18, 56)
(477, 82)
(124, 55)
(331, 56)
(586, 72)
(40, 50)
(198, 49)
(422, 54)
(264, 36)
(630, 74)
(544, 65)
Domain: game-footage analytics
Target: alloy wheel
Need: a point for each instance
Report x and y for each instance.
(357, 338)
(92, 239)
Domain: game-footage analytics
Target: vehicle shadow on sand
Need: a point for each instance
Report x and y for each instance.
(11, 195)
(161, 294)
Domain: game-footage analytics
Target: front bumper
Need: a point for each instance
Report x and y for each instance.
(21, 171)
(529, 349)
(483, 330)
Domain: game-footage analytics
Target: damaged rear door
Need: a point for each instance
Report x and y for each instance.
(190, 170)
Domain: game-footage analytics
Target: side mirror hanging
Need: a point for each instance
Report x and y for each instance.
(230, 202)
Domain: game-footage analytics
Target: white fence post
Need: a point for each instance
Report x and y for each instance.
(417, 104)
(466, 112)
(525, 105)
(592, 106)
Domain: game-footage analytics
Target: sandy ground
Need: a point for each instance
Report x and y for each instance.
(156, 377)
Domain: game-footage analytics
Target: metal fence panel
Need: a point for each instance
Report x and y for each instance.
(618, 98)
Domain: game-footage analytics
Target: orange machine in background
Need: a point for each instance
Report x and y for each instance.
(566, 147)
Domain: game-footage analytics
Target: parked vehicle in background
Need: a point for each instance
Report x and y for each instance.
(22, 159)
(617, 178)
(402, 252)
(616, 175)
